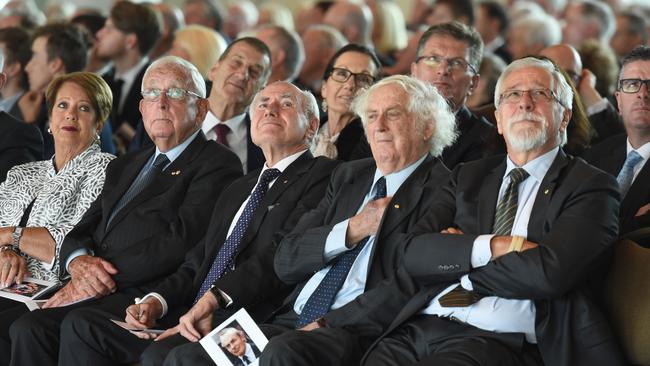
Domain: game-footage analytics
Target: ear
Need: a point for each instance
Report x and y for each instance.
(473, 83)
(201, 110)
(213, 71)
(566, 117)
(131, 41)
(140, 107)
(617, 94)
(323, 89)
(414, 69)
(313, 127)
(497, 116)
(56, 66)
(12, 69)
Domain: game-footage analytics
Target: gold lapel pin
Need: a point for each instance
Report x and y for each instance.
(396, 205)
(176, 172)
(546, 191)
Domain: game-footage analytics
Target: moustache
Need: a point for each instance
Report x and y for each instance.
(528, 117)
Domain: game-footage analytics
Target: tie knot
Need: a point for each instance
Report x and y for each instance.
(160, 162)
(221, 129)
(268, 175)
(633, 158)
(380, 188)
(517, 175)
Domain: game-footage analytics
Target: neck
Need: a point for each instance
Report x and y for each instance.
(638, 138)
(336, 121)
(274, 153)
(126, 62)
(224, 109)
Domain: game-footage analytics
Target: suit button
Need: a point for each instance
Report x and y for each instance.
(104, 246)
(441, 267)
(457, 266)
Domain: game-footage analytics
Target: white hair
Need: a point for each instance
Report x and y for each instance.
(539, 28)
(425, 104)
(228, 332)
(191, 75)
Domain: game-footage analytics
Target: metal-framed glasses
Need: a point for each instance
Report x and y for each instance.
(537, 95)
(342, 75)
(455, 64)
(632, 85)
(153, 94)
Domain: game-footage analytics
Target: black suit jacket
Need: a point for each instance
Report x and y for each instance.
(253, 283)
(610, 156)
(19, 143)
(300, 253)
(574, 221)
(477, 138)
(130, 112)
(606, 123)
(148, 238)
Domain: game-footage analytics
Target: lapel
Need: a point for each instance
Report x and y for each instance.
(637, 195)
(352, 192)
(487, 198)
(544, 195)
(163, 180)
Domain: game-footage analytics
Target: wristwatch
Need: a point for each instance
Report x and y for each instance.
(221, 300)
(18, 232)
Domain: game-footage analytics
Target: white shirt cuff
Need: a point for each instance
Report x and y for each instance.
(466, 283)
(481, 252)
(335, 243)
(77, 253)
(158, 297)
(597, 107)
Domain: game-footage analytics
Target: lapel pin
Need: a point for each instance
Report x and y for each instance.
(176, 172)
(286, 181)
(396, 205)
(546, 191)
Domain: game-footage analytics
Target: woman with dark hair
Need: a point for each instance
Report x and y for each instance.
(351, 69)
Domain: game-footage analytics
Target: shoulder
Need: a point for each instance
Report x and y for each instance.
(605, 148)
(211, 153)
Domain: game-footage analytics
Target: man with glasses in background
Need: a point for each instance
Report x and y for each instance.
(449, 56)
(625, 155)
(506, 281)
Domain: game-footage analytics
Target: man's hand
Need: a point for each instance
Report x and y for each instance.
(311, 326)
(92, 275)
(144, 316)
(499, 245)
(197, 322)
(643, 210)
(366, 222)
(13, 268)
(68, 294)
(452, 230)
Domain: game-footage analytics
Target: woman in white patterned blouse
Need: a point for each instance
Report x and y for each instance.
(40, 202)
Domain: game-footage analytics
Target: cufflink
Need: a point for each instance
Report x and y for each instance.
(176, 172)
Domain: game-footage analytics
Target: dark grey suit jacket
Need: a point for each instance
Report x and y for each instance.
(19, 143)
(300, 253)
(148, 238)
(574, 221)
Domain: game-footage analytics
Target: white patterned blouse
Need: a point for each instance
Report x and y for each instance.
(60, 199)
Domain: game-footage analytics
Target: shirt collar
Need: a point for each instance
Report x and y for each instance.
(537, 167)
(284, 163)
(396, 179)
(234, 123)
(177, 150)
(644, 150)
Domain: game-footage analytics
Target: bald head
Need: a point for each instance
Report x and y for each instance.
(353, 20)
(564, 56)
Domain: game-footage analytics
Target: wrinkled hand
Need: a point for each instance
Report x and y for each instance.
(452, 230)
(499, 245)
(143, 316)
(30, 105)
(68, 294)
(13, 268)
(92, 275)
(643, 210)
(366, 222)
(311, 326)
(197, 322)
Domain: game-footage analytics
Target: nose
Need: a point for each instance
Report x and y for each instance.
(272, 108)
(71, 114)
(644, 93)
(443, 67)
(526, 103)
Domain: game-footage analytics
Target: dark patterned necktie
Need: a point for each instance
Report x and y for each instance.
(222, 130)
(322, 298)
(139, 184)
(507, 207)
(222, 262)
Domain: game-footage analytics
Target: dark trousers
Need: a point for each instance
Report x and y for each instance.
(9, 311)
(430, 340)
(36, 336)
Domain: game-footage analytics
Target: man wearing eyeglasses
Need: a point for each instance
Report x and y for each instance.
(154, 207)
(625, 156)
(505, 281)
(448, 57)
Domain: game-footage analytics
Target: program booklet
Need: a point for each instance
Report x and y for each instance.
(30, 291)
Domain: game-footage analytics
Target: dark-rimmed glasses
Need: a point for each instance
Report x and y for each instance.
(342, 75)
(537, 95)
(633, 85)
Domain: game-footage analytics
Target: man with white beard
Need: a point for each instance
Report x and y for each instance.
(507, 281)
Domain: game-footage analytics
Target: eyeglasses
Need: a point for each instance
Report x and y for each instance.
(153, 94)
(632, 85)
(342, 75)
(537, 95)
(455, 64)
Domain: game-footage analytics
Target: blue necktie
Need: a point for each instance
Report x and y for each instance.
(627, 171)
(322, 298)
(139, 184)
(227, 252)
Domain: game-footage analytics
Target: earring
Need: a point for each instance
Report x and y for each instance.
(49, 131)
(324, 105)
(97, 140)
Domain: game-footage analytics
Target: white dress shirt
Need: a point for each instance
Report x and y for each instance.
(493, 313)
(236, 138)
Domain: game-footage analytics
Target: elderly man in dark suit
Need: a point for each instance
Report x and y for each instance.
(349, 244)
(153, 208)
(504, 283)
(449, 56)
(625, 156)
(233, 266)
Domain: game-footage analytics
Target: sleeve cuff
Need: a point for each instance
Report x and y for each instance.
(335, 243)
(158, 297)
(481, 253)
(466, 283)
(73, 255)
(597, 107)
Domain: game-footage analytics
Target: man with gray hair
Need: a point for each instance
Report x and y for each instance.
(528, 35)
(287, 52)
(321, 43)
(232, 266)
(588, 19)
(340, 254)
(234, 341)
(504, 257)
(154, 207)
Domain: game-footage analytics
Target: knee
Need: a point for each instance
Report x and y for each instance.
(154, 354)
(25, 327)
(74, 322)
(282, 350)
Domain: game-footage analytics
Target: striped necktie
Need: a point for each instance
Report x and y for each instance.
(627, 171)
(507, 207)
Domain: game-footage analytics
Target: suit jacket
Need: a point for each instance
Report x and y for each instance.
(477, 138)
(606, 123)
(148, 238)
(300, 253)
(130, 112)
(574, 221)
(610, 156)
(19, 143)
(253, 283)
